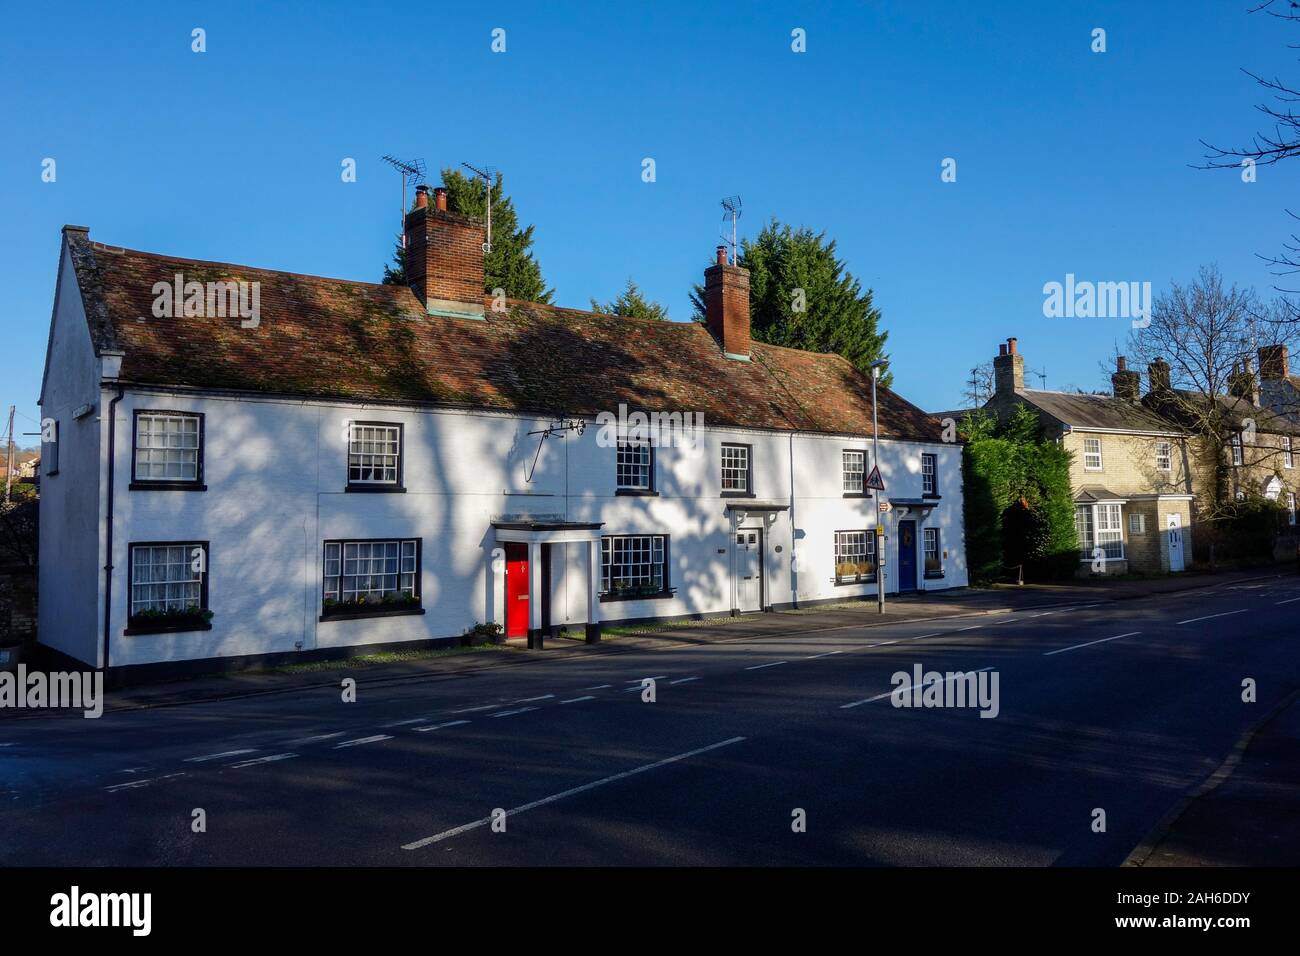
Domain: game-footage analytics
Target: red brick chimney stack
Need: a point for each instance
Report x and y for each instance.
(726, 306)
(444, 257)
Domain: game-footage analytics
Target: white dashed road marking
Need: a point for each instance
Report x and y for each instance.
(1075, 647)
(683, 680)
(450, 723)
(511, 713)
(228, 753)
(1207, 617)
(362, 740)
(311, 740)
(890, 693)
(759, 667)
(577, 700)
(827, 654)
(141, 783)
(484, 821)
(269, 759)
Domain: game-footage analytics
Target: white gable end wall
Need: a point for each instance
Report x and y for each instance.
(71, 553)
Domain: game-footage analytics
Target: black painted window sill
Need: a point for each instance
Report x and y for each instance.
(933, 575)
(152, 628)
(371, 489)
(167, 486)
(636, 493)
(371, 612)
(652, 596)
(931, 496)
(857, 494)
(737, 494)
(845, 584)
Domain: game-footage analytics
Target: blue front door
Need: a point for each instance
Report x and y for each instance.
(907, 555)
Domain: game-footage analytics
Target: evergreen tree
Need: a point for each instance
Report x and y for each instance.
(633, 303)
(510, 265)
(801, 296)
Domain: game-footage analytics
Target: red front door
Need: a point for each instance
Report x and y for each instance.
(516, 590)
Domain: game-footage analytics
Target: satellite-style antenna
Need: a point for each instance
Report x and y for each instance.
(412, 173)
(488, 175)
(731, 210)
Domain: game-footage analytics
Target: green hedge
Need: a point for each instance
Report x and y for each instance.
(1019, 506)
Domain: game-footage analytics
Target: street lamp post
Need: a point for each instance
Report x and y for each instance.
(875, 455)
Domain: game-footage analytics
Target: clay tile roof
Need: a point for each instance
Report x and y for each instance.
(365, 342)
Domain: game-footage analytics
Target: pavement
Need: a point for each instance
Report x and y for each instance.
(780, 748)
(914, 607)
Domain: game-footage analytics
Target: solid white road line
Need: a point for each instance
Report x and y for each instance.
(228, 753)
(403, 723)
(759, 667)
(1207, 617)
(890, 693)
(973, 627)
(529, 700)
(573, 791)
(577, 700)
(271, 759)
(1287, 601)
(450, 723)
(816, 656)
(511, 713)
(683, 680)
(362, 740)
(1075, 647)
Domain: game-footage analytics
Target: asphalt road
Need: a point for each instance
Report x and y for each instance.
(1120, 706)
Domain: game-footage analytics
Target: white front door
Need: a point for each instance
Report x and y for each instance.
(1174, 532)
(749, 571)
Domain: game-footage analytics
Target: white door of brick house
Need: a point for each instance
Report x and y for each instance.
(1174, 534)
(749, 570)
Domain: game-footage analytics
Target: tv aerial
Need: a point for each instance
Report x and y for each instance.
(412, 174)
(488, 175)
(731, 210)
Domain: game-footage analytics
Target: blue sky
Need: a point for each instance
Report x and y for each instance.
(1068, 161)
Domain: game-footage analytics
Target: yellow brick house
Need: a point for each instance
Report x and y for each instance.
(1132, 473)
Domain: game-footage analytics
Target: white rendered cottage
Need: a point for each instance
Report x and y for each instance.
(248, 465)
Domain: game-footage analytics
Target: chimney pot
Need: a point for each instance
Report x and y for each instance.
(1008, 370)
(440, 198)
(1121, 364)
(421, 196)
(722, 255)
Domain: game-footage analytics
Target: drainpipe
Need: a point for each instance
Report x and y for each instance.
(108, 534)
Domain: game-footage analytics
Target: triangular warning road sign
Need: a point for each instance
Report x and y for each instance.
(874, 481)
